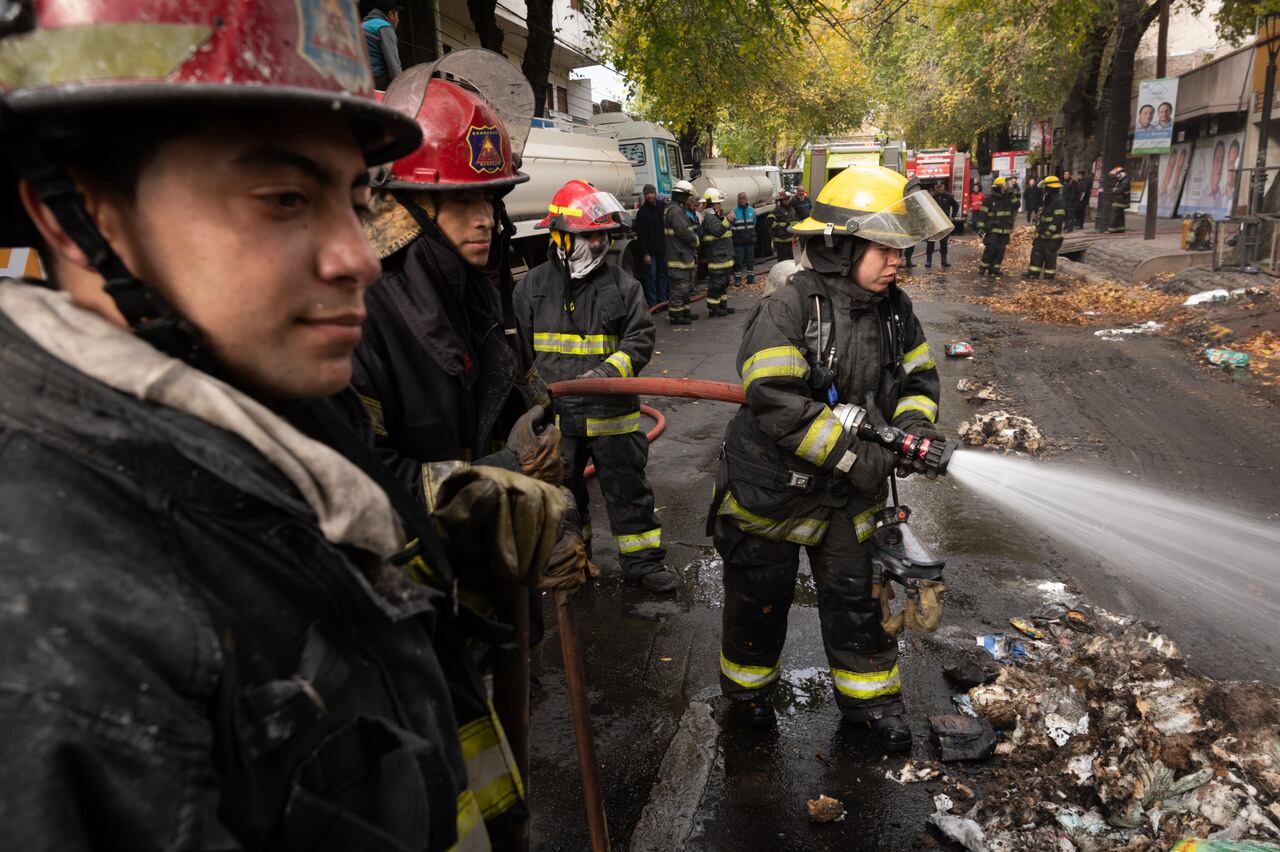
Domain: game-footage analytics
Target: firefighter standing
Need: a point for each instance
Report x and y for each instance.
(1050, 220)
(1120, 200)
(218, 646)
(995, 224)
(781, 218)
(791, 475)
(717, 251)
(582, 317)
(680, 228)
(949, 206)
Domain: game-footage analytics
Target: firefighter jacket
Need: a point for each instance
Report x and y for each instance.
(948, 203)
(788, 463)
(1051, 216)
(780, 220)
(717, 245)
(995, 216)
(434, 368)
(1120, 196)
(196, 654)
(682, 238)
(600, 322)
(743, 223)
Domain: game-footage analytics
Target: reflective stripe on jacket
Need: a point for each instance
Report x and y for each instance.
(598, 321)
(780, 220)
(682, 238)
(995, 216)
(717, 245)
(1051, 217)
(786, 468)
(742, 220)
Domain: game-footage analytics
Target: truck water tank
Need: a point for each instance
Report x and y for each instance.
(734, 179)
(552, 157)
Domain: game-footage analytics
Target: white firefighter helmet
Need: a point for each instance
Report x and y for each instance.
(713, 196)
(682, 186)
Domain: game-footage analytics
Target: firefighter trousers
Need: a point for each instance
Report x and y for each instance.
(993, 249)
(759, 585)
(1044, 257)
(1117, 219)
(681, 290)
(717, 284)
(783, 249)
(628, 499)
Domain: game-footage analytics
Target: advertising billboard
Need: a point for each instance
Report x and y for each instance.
(1212, 175)
(1153, 127)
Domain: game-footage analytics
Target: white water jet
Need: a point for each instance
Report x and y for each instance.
(1184, 546)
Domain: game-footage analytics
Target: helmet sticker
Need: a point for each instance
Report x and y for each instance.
(330, 41)
(486, 149)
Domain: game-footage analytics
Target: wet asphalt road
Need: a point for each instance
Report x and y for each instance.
(1144, 409)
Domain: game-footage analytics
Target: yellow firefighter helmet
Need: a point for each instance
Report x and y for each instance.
(878, 205)
(1052, 182)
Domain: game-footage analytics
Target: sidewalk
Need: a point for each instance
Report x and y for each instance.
(1129, 257)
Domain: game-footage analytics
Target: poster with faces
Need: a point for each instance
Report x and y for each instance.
(1172, 174)
(1212, 176)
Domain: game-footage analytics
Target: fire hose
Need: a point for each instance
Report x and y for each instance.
(932, 455)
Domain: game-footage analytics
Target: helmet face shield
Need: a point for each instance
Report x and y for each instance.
(912, 220)
(580, 208)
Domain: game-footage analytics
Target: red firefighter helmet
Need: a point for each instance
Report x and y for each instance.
(471, 139)
(578, 208)
(70, 55)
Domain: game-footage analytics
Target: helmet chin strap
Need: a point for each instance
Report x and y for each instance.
(148, 315)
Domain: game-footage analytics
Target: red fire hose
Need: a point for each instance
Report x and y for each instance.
(688, 388)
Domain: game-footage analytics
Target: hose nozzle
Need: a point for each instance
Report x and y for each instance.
(931, 454)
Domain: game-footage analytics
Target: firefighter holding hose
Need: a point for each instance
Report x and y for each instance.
(839, 331)
(585, 318)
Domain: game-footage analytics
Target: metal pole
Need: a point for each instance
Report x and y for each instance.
(1153, 162)
(579, 706)
(1269, 26)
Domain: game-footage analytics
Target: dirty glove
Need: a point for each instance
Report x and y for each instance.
(872, 468)
(923, 612)
(500, 518)
(569, 566)
(601, 372)
(535, 440)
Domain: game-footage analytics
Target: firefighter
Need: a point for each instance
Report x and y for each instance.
(949, 206)
(781, 218)
(218, 644)
(995, 224)
(1050, 220)
(791, 475)
(680, 225)
(1120, 200)
(717, 251)
(436, 369)
(582, 317)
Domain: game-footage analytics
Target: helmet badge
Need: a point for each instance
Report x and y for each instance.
(486, 149)
(330, 42)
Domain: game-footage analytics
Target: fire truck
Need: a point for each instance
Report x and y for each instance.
(945, 166)
(826, 158)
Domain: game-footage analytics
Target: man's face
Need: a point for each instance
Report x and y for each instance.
(742, 199)
(877, 267)
(1144, 116)
(1066, 174)
(466, 220)
(251, 230)
(1218, 154)
(1166, 112)
(650, 197)
(718, 206)
(394, 18)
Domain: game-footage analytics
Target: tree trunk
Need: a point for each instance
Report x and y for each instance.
(537, 53)
(1080, 110)
(1132, 19)
(486, 23)
(686, 139)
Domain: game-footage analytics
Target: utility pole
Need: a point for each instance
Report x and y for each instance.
(1269, 34)
(1153, 162)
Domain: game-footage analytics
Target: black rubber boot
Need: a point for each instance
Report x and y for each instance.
(662, 580)
(680, 319)
(892, 734)
(757, 714)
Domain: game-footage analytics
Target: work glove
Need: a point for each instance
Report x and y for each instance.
(600, 372)
(872, 468)
(569, 567)
(535, 440)
(922, 429)
(503, 519)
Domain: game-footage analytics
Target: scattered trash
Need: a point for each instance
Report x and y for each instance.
(1003, 430)
(962, 830)
(970, 672)
(964, 704)
(1005, 647)
(962, 737)
(959, 349)
(942, 803)
(1226, 358)
(974, 389)
(1081, 766)
(1207, 296)
(826, 809)
(1077, 620)
(1194, 844)
(912, 773)
(1060, 729)
(1080, 823)
(1027, 628)
(1148, 327)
